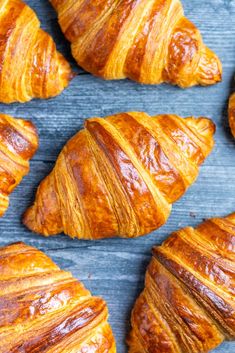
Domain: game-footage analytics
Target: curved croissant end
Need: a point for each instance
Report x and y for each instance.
(30, 66)
(232, 114)
(43, 308)
(148, 41)
(231, 217)
(188, 301)
(120, 175)
(18, 143)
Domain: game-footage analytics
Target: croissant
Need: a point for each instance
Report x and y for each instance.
(45, 309)
(188, 304)
(232, 114)
(120, 175)
(30, 66)
(149, 41)
(18, 143)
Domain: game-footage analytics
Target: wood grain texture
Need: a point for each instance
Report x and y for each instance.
(115, 268)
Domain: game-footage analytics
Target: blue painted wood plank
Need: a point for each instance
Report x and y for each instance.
(115, 268)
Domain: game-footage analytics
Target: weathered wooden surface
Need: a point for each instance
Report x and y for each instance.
(115, 268)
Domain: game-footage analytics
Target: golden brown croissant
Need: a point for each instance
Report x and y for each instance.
(45, 309)
(18, 143)
(30, 66)
(149, 41)
(188, 304)
(232, 114)
(120, 175)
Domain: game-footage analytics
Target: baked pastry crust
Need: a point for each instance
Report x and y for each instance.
(120, 175)
(232, 114)
(147, 41)
(188, 301)
(30, 65)
(45, 309)
(18, 143)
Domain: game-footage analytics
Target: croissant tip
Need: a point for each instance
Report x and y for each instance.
(34, 136)
(231, 217)
(208, 125)
(210, 68)
(32, 127)
(29, 220)
(32, 221)
(204, 126)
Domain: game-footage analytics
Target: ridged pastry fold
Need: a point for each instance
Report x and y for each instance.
(30, 65)
(120, 175)
(45, 309)
(18, 143)
(188, 304)
(149, 41)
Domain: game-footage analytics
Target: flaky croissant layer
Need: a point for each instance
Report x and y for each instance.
(18, 143)
(188, 304)
(30, 66)
(45, 309)
(149, 41)
(120, 175)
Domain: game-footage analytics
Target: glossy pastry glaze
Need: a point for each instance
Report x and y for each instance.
(149, 41)
(188, 304)
(18, 143)
(45, 309)
(120, 175)
(232, 114)
(30, 66)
